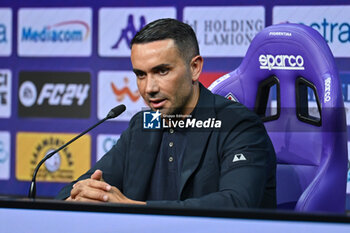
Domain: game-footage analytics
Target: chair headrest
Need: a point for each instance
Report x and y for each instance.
(287, 51)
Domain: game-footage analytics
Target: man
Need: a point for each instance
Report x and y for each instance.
(231, 164)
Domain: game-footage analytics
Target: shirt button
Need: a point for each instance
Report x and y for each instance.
(171, 131)
(171, 159)
(171, 144)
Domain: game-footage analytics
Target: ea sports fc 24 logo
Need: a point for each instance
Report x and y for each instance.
(281, 62)
(54, 94)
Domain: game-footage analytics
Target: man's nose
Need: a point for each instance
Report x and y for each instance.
(152, 85)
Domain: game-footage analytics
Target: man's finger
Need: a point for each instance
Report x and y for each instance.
(83, 199)
(89, 185)
(93, 184)
(93, 194)
(85, 191)
(99, 184)
(97, 175)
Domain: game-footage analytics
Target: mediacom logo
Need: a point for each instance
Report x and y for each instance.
(54, 94)
(64, 166)
(55, 34)
(332, 22)
(59, 32)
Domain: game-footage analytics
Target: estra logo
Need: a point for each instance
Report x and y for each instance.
(117, 27)
(54, 94)
(118, 87)
(281, 62)
(59, 32)
(332, 22)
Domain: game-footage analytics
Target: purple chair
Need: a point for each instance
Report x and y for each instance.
(285, 68)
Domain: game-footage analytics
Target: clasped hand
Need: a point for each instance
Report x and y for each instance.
(96, 189)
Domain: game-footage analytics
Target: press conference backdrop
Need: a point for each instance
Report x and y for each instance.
(65, 64)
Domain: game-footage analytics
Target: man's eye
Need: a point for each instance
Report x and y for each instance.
(163, 72)
(140, 76)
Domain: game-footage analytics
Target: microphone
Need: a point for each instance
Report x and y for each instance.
(112, 114)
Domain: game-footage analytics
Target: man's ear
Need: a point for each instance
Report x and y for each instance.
(196, 66)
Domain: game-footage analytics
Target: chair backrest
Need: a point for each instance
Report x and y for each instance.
(294, 62)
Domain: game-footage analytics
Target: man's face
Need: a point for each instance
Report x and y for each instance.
(163, 79)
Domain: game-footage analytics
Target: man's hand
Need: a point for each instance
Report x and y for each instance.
(96, 190)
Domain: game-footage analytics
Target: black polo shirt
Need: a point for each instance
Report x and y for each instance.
(165, 180)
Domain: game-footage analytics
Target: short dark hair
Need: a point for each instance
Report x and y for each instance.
(183, 35)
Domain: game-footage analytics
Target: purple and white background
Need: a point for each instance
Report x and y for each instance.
(72, 38)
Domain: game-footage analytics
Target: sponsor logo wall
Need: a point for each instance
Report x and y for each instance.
(40, 47)
(53, 32)
(5, 93)
(332, 22)
(117, 26)
(225, 31)
(5, 31)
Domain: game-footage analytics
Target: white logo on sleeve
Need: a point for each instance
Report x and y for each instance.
(238, 157)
